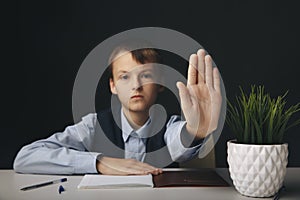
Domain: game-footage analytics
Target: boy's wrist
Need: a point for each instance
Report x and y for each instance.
(98, 160)
(189, 140)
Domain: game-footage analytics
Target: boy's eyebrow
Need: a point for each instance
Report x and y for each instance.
(139, 70)
(122, 71)
(147, 70)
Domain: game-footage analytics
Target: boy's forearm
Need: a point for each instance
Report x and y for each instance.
(43, 160)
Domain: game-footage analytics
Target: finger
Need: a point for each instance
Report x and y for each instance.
(125, 171)
(148, 167)
(184, 96)
(201, 65)
(145, 168)
(192, 71)
(208, 71)
(157, 172)
(217, 80)
(134, 170)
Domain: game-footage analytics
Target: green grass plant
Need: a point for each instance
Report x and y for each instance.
(259, 119)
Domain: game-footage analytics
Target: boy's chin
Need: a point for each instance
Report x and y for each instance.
(139, 109)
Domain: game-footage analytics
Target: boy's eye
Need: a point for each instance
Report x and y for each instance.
(124, 77)
(146, 75)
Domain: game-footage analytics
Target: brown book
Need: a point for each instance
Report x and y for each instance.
(197, 177)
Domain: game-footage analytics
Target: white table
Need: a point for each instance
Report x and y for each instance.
(11, 182)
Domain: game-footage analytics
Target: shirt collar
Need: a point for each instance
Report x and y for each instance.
(127, 130)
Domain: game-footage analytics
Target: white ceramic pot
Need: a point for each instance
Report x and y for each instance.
(257, 170)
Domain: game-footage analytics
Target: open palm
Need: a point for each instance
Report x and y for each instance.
(201, 98)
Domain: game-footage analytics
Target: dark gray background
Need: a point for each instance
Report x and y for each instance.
(45, 42)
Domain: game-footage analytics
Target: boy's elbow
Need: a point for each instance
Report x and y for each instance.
(17, 167)
(19, 164)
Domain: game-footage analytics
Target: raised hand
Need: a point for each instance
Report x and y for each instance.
(201, 99)
(117, 166)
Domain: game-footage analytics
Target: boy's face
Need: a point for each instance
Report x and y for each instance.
(134, 83)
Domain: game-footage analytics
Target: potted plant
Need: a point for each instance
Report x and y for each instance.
(257, 159)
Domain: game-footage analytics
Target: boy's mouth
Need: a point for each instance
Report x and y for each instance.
(136, 97)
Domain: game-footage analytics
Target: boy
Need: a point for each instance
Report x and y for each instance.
(83, 148)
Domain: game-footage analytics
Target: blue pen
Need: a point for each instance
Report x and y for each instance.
(44, 184)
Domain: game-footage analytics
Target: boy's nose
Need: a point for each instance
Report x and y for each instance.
(136, 83)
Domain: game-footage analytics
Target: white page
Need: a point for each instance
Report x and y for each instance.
(108, 181)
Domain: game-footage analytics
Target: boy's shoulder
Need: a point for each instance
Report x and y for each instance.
(104, 116)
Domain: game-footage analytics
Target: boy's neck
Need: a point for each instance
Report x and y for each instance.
(136, 119)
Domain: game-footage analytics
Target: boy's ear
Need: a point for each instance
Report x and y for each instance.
(112, 86)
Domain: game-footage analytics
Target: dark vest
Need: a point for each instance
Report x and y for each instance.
(109, 137)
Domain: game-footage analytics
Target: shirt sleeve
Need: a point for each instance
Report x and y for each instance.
(62, 153)
(178, 151)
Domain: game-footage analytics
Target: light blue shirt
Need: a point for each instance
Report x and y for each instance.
(66, 152)
(134, 141)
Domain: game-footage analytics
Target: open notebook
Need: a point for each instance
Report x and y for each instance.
(203, 177)
(106, 181)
